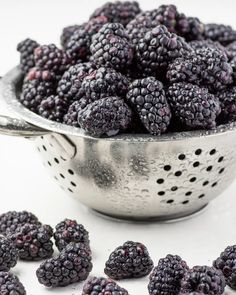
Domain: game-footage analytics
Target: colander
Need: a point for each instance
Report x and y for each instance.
(128, 176)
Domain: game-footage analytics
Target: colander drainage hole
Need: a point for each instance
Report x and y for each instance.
(62, 176)
(174, 188)
(192, 179)
(201, 196)
(185, 202)
(49, 164)
(161, 193)
(44, 147)
(72, 183)
(220, 159)
(209, 168)
(178, 173)
(38, 149)
(205, 183)
(214, 184)
(160, 180)
(170, 201)
(70, 190)
(196, 164)
(71, 172)
(167, 167)
(56, 160)
(62, 158)
(212, 152)
(188, 193)
(55, 178)
(181, 157)
(198, 152)
(221, 170)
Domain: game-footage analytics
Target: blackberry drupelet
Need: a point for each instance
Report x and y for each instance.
(157, 49)
(147, 97)
(131, 260)
(72, 265)
(10, 284)
(69, 231)
(228, 104)
(118, 12)
(26, 49)
(193, 106)
(71, 117)
(108, 115)
(8, 254)
(166, 15)
(111, 47)
(166, 277)
(203, 279)
(95, 286)
(66, 34)
(191, 28)
(33, 241)
(11, 220)
(227, 264)
(221, 33)
(53, 108)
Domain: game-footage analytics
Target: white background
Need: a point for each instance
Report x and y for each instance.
(24, 184)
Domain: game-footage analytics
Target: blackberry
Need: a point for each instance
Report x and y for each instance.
(66, 34)
(53, 108)
(131, 260)
(166, 277)
(166, 15)
(226, 263)
(118, 12)
(72, 265)
(71, 117)
(111, 47)
(10, 284)
(193, 106)
(105, 116)
(203, 279)
(102, 286)
(228, 104)
(221, 33)
(69, 231)
(147, 96)
(231, 48)
(191, 28)
(157, 49)
(201, 44)
(104, 82)
(10, 221)
(33, 241)
(26, 49)
(69, 86)
(8, 254)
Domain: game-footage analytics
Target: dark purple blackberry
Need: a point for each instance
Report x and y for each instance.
(201, 44)
(95, 286)
(166, 15)
(33, 241)
(227, 264)
(53, 108)
(66, 34)
(158, 48)
(72, 265)
(69, 86)
(192, 293)
(10, 284)
(147, 97)
(118, 12)
(221, 33)
(131, 260)
(69, 231)
(26, 49)
(191, 28)
(108, 116)
(11, 220)
(8, 254)
(203, 279)
(228, 104)
(232, 48)
(166, 277)
(71, 117)
(111, 47)
(195, 107)
(104, 82)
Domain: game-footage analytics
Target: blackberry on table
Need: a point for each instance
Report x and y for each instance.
(227, 100)
(203, 279)
(131, 260)
(26, 49)
(66, 34)
(8, 254)
(99, 285)
(69, 231)
(147, 97)
(72, 265)
(221, 33)
(10, 284)
(33, 242)
(108, 115)
(193, 106)
(166, 277)
(111, 47)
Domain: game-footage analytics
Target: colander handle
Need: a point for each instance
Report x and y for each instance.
(17, 127)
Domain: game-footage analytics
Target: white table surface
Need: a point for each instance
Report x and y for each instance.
(24, 184)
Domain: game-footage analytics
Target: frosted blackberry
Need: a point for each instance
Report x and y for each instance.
(33, 241)
(131, 260)
(10, 284)
(166, 277)
(158, 48)
(111, 47)
(72, 265)
(227, 264)
(106, 116)
(203, 279)
(118, 12)
(167, 15)
(221, 33)
(228, 104)
(66, 34)
(195, 107)
(69, 231)
(53, 108)
(26, 49)
(95, 286)
(191, 28)
(8, 254)
(11, 220)
(201, 44)
(71, 117)
(231, 48)
(147, 97)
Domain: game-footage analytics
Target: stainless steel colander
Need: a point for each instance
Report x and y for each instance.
(127, 176)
